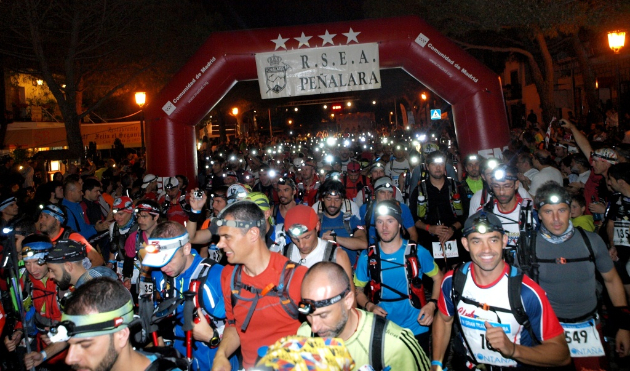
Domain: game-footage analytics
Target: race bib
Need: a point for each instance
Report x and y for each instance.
(475, 332)
(395, 179)
(583, 339)
(621, 232)
(450, 247)
(145, 288)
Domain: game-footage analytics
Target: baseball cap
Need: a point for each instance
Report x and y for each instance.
(354, 166)
(66, 250)
(123, 204)
(35, 246)
(151, 208)
(482, 222)
(236, 192)
(171, 182)
(160, 251)
(383, 184)
(259, 199)
(6, 201)
(377, 165)
(230, 173)
(605, 154)
(300, 215)
(147, 180)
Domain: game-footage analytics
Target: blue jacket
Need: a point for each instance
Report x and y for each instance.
(76, 219)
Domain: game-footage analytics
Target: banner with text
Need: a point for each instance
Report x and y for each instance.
(318, 71)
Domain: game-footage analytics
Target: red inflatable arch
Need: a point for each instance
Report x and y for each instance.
(405, 42)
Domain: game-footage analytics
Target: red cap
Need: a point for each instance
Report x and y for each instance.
(301, 214)
(354, 166)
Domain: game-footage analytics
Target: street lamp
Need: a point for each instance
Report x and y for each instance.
(616, 41)
(235, 111)
(141, 99)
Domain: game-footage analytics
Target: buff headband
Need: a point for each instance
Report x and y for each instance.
(94, 324)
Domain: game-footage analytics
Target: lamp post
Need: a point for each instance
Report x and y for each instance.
(616, 41)
(141, 99)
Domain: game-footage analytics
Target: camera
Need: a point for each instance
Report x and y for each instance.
(198, 193)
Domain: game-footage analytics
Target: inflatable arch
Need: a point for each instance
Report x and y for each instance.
(472, 89)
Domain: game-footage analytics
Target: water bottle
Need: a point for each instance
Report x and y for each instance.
(422, 206)
(457, 205)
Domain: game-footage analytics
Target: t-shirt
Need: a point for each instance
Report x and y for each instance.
(561, 280)
(270, 321)
(585, 222)
(395, 275)
(543, 320)
(401, 351)
(336, 224)
(510, 220)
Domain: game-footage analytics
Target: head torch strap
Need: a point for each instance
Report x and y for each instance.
(241, 224)
(94, 324)
(553, 200)
(169, 243)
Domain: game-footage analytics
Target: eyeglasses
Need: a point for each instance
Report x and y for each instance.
(308, 306)
(296, 230)
(498, 187)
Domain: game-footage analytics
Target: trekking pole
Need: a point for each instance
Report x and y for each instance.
(189, 308)
(15, 284)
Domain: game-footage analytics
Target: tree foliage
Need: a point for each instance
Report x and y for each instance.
(90, 51)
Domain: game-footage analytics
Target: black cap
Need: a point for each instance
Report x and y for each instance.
(482, 222)
(66, 250)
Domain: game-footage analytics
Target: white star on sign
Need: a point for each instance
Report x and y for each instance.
(303, 40)
(280, 42)
(328, 38)
(351, 35)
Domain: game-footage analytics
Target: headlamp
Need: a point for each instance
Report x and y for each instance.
(240, 224)
(384, 185)
(94, 324)
(492, 163)
(308, 306)
(146, 207)
(414, 160)
(553, 199)
(155, 245)
(271, 173)
(437, 160)
(482, 225)
(296, 230)
(500, 174)
(472, 158)
(329, 159)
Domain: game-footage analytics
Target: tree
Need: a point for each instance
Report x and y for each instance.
(517, 27)
(95, 48)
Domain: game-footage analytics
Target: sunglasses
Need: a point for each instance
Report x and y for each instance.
(307, 306)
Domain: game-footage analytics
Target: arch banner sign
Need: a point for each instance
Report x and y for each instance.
(323, 59)
(318, 70)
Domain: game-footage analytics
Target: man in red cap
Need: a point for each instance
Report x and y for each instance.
(306, 248)
(354, 181)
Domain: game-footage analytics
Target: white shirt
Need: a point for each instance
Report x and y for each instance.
(583, 177)
(311, 259)
(530, 173)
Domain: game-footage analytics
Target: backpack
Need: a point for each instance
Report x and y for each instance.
(347, 215)
(455, 202)
(330, 252)
(515, 280)
(281, 291)
(197, 282)
(415, 294)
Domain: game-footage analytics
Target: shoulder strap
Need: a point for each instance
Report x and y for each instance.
(378, 342)
(67, 231)
(276, 209)
(515, 281)
(321, 221)
(368, 214)
(459, 280)
(330, 252)
(587, 241)
(423, 184)
(286, 250)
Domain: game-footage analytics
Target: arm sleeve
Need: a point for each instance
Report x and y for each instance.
(603, 261)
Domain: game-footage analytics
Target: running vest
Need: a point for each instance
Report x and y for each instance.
(415, 291)
(347, 215)
(281, 291)
(456, 203)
